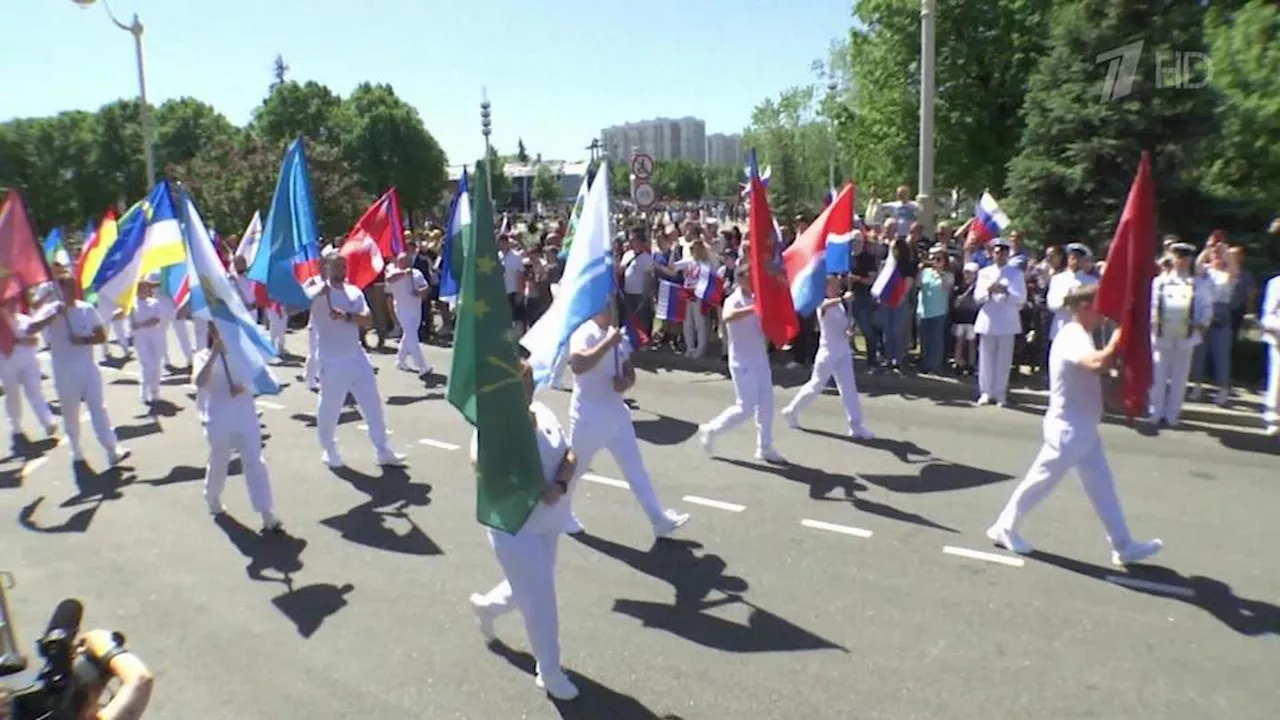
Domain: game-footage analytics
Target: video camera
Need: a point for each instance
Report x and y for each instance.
(66, 682)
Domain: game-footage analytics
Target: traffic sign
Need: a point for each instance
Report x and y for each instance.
(642, 166)
(644, 195)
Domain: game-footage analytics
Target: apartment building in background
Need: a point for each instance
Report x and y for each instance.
(724, 149)
(662, 138)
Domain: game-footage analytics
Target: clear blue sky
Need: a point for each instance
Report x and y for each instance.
(557, 71)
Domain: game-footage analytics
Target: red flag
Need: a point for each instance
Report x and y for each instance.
(376, 238)
(768, 278)
(1124, 293)
(22, 263)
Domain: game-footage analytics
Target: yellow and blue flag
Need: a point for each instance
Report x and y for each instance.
(146, 244)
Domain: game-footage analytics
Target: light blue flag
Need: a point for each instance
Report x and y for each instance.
(292, 248)
(586, 287)
(213, 297)
(450, 253)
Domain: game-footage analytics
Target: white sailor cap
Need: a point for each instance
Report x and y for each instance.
(329, 253)
(1182, 249)
(971, 267)
(1000, 242)
(1080, 249)
(150, 279)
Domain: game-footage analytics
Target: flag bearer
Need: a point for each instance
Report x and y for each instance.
(339, 312)
(277, 327)
(1001, 291)
(311, 369)
(231, 425)
(748, 369)
(1181, 309)
(147, 322)
(528, 558)
(175, 319)
(1071, 439)
(1269, 319)
(408, 287)
(599, 418)
(76, 378)
(834, 358)
(20, 371)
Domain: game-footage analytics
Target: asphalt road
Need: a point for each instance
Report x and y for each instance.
(854, 583)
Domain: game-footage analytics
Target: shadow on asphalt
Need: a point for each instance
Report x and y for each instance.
(594, 702)
(695, 579)
(821, 483)
(937, 476)
(905, 451)
(664, 429)
(402, 400)
(371, 523)
(348, 415)
(1251, 618)
(92, 489)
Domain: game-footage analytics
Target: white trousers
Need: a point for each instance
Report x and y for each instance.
(1066, 448)
(826, 365)
(694, 327)
(118, 327)
(21, 377)
(277, 328)
(995, 360)
(753, 395)
(410, 318)
(353, 375)
(1171, 364)
(311, 370)
(149, 342)
(528, 561)
(76, 383)
(181, 329)
(202, 332)
(1271, 398)
(233, 428)
(590, 434)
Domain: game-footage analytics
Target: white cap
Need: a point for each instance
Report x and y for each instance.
(971, 267)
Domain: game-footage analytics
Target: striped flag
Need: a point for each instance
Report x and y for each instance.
(671, 302)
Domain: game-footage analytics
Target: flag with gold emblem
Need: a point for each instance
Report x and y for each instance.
(485, 382)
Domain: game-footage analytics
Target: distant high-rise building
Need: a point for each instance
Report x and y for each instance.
(662, 138)
(724, 149)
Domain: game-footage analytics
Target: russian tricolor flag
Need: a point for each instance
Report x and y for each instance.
(890, 287)
(810, 257)
(671, 301)
(708, 289)
(988, 219)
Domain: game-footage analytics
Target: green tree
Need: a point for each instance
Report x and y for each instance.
(788, 135)
(298, 110)
(501, 189)
(546, 189)
(279, 72)
(723, 181)
(620, 179)
(186, 127)
(522, 155)
(680, 179)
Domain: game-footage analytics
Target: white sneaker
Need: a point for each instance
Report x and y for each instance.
(770, 455)
(119, 455)
(483, 617)
(392, 459)
(1273, 431)
(427, 371)
(574, 526)
(556, 684)
(332, 459)
(706, 438)
(671, 522)
(271, 524)
(792, 421)
(1136, 552)
(983, 399)
(216, 507)
(860, 433)
(1009, 540)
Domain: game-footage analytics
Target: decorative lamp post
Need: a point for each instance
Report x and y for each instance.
(486, 128)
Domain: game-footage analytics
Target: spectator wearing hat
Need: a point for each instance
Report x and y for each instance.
(1064, 281)
(1001, 291)
(146, 321)
(933, 304)
(1216, 348)
(1181, 309)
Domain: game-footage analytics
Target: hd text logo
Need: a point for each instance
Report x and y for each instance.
(1174, 70)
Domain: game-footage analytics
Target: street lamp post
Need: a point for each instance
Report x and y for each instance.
(832, 86)
(486, 127)
(928, 93)
(135, 29)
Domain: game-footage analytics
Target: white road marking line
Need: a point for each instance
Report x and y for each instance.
(32, 466)
(717, 504)
(365, 427)
(268, 405)
(605, 480)
(832, 527)
(1009, 560)
(1152, 586)
(437, 444)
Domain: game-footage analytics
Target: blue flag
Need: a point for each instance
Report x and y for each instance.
(291, 242)
(459, 219)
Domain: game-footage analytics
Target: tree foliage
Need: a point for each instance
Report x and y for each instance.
(546, 188)
(672, 179)
(790, 135)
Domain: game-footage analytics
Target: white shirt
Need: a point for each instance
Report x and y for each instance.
(999, 313)
(512, 266)
(22, 354)
(693, 270)
(80, 319)
(833, 328)
(637, 269)
(338, 339)
(216, 393)
(1075, 392)
(1269, 315)
(406, 283)
(1179, 303)
(593, 392)
(552, 446)
(245, 286)
(168, 309)
(145, 310)
(747, 344)
(1060, 285)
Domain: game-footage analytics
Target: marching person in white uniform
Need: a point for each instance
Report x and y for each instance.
(115, 318)
(311, 368)
(20, 370)
(749, 370)
(1181, 309)
(176, 319)
(408, 287)
(528, 558)
(147, 323)
(599, 418)
(834, 358)
(277, 328)
(1001, 291)
(1071, 439)
(76, 378)
(1269, 320)
(339, 312)
(1066, 280)
(231, 425)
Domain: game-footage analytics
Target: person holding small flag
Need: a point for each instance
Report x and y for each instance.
(408, 287)
(1001, 291)
(20, 369)
(146, 324)
(311, 368)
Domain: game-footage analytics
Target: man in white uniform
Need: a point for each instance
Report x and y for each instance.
(76, 378)
(339, 312)
(20, 370)
(599, 418)
(1181, 309)
(1269, 319)
(147, 323)
(113, 316)
(1001, 291)
(311, 369)
(408, 287)
(749, 370)
(1071, 439)
(231, 425)
(1063, 282)
(175, 318)
(513, 277)
(834, 358)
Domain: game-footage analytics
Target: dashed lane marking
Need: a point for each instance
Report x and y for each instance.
(365, 427)
(605, 480)
(437, 444)
(268, 405)
(832, 527)
(997, 558)
(32, 466)
(717, 504)
(1151, 586)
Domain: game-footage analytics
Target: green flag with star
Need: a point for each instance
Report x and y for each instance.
(485, 382)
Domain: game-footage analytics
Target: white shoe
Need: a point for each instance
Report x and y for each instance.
(792, 421)
(428, 370)
(983, 399)
(392, 459)
(119, 455)
(706, 438)
(556, 684)
(216, 507)
(1273, 431)
(671, 522)
(1009, 540)
(574, 526)
(483, 617)
(271, 524)
(770, 455)
(1136, 552)
(860, 433)
(332, 459)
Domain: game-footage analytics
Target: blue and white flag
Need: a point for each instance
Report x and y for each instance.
(451, 251)
(586, 287)
(213, 297)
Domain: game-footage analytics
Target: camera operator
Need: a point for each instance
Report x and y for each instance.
(105, 653)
